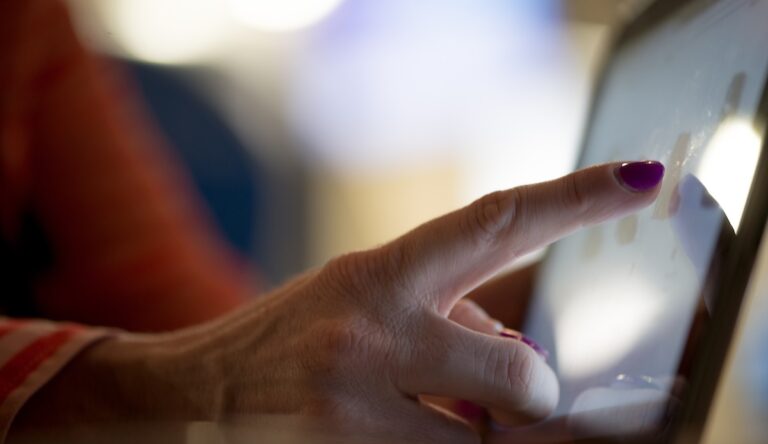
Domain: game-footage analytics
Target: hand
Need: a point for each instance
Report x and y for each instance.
(356, 341)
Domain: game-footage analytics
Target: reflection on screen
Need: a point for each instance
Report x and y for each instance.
(616, 302)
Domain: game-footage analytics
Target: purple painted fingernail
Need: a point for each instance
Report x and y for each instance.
(640, 176)
(513, 334)
(534, 345)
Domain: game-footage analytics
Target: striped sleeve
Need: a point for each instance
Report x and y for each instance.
(31, 353)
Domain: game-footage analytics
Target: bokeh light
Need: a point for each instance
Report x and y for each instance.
(282, 15)
(728, 166)
(166, 31)
(617, 323)
(487, 83)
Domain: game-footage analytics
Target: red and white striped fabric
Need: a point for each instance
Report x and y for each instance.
(31, 353)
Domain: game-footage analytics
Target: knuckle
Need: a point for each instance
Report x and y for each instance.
(396, 260)
(341, 341)
(488, 217)
(350, 273)
(380, 271)
(341, 356)
(346, 345)
(333, 351)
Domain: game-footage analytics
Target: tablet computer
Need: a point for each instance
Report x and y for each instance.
(638, 313)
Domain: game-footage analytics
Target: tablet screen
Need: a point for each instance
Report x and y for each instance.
(616, 303)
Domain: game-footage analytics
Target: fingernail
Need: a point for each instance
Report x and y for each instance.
(509, 333)
(498, 326)
(536, 347)
(513, 334)
(640, 176)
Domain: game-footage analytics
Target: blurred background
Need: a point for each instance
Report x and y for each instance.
(315, 127)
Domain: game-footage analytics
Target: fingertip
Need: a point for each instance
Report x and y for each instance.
(550, 390)
(543, 396)
(534, 390)
(544, 387)
(611, 190)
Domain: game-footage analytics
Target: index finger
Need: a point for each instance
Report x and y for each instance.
(449, 256)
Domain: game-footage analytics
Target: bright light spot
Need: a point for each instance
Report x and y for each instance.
(728, 165)
(604, 324)
(282, 15)
(166, 31)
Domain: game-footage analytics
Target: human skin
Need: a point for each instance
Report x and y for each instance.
(359, 339)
